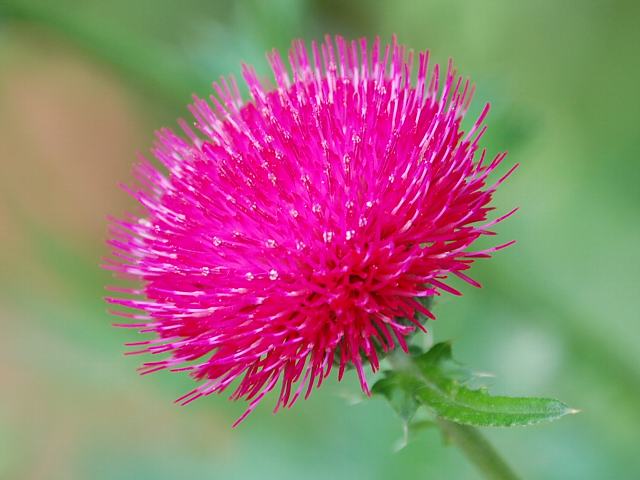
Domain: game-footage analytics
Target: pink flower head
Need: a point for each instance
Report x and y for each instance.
(302, 231)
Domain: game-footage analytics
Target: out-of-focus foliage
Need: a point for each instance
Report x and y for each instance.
(84, 83)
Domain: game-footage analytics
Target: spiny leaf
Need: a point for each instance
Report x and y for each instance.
(405, 405)
(399, 396)
(436, 380)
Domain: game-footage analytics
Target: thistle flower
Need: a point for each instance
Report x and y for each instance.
(302, 231)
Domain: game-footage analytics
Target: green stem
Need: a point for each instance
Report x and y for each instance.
(478, 450)
(473, 444)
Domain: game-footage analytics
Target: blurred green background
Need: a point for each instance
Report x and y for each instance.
(83, 84)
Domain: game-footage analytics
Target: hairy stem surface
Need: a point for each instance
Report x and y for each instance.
(478, 450)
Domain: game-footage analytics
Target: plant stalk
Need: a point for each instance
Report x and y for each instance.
(469, 439)
(478, 450)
